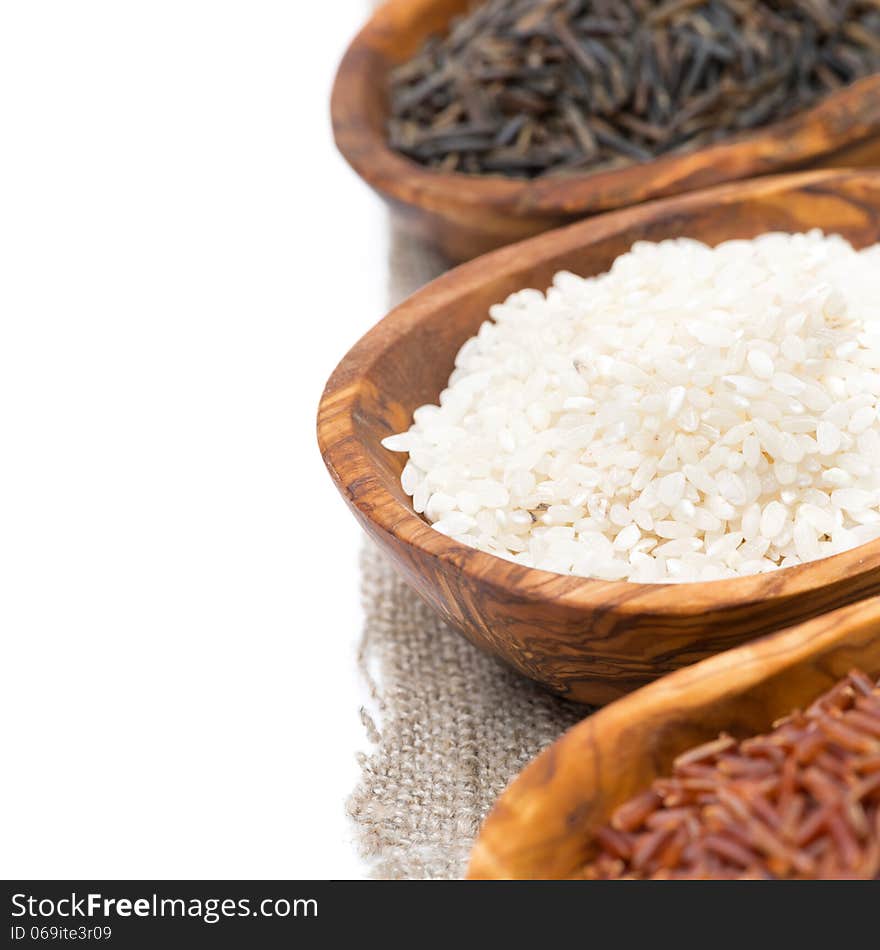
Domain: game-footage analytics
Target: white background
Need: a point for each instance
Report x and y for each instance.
(184, 259)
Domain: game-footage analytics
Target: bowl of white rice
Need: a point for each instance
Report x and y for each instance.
(625, 445)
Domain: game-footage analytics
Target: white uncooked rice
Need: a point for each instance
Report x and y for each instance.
(694, 414)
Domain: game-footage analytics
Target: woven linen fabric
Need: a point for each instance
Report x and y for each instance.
(452, 725)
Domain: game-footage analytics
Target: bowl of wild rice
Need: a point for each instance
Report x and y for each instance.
(620, 447)
(760, 763)
(482, 123)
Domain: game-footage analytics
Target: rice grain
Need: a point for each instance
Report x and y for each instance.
(695, 413)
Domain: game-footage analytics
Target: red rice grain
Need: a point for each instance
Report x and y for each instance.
(800, 802)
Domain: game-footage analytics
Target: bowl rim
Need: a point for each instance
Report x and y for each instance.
(348, 461)
(842, 119)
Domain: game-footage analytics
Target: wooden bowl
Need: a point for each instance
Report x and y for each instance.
(542, 826)
(588, 640)
(467, 215)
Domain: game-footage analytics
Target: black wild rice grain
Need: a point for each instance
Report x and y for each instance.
(529, 88)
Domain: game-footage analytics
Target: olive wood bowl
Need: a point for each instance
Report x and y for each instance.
(589, 640)
(542, 826)
(467, 215)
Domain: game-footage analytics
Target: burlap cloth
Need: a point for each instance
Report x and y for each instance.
(450, 726)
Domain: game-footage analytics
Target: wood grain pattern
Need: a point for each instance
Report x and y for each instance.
(541, 826)
(468, 215)
(589, 640)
